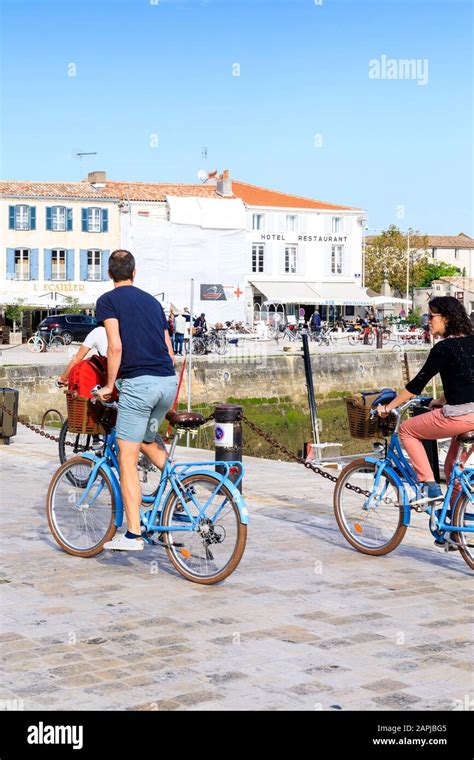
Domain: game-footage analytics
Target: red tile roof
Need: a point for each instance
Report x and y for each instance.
(441, 241)
(134, 191)
(450, 241)
(252, 195)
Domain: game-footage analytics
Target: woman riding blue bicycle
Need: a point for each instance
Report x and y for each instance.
(453, 412)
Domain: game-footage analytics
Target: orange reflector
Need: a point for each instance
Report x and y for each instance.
(185, 553)
(358, 528)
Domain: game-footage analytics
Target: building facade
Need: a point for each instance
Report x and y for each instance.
(461, 288)
(301, 253)
(55, 240)
(453, 249)
(242, 246)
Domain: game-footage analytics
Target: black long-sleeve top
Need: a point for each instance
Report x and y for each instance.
(453, 358)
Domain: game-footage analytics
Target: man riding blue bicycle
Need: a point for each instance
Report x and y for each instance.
(140, 351)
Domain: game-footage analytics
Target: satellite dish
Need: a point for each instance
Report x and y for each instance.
(202, 175)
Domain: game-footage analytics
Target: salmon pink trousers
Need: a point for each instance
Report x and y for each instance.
(429, 427)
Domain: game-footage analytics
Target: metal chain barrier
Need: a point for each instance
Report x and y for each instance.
(309, 466)
(34, 428)
(266, 437)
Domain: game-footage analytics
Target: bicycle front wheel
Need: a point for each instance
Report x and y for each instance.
(80, 526)
(463, 517)
(353, 339)
(211, 550)
(57, 343)
(371, 524)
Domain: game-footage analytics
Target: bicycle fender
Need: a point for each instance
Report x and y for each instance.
(239, 500)
(398, 482)
(102, 463)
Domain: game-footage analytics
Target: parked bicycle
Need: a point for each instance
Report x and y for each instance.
(323, 336)
(214, 341)
(39, 343)
(196, 513)
(374, 497)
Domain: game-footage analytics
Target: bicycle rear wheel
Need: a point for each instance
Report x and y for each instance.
(81, 442)
(463, 517)
(36, 344)
(80, 528)
(374, 527)
(209, 553)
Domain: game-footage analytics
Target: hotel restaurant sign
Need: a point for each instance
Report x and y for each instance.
(304, 238)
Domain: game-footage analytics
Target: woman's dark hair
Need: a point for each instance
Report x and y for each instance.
(458, 323)
(121, 265)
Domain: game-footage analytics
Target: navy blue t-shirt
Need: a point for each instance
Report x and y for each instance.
(142, 325)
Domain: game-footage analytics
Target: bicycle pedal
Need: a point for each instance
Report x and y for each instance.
(450, 547)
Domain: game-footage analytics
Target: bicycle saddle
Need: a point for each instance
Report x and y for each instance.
(186, 420)
(466, 437)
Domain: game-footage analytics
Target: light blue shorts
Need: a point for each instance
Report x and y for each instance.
(143, 403)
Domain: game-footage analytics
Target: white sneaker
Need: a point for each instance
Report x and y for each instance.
(121, 543)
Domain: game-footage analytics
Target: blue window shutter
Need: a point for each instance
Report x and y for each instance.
(105, 221)
(49, 218)
(84, 220)
(10, 261)
(105, 264)
(33, 218)
(34, 264)
(11, 217)
(69, 219)
(70, 264)
(48, 266)
(83, 263)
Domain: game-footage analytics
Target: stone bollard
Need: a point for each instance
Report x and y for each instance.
(228, 438)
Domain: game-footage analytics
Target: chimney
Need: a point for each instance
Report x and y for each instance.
(224, 185)
(98, 179)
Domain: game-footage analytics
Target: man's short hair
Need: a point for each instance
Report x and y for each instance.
(121, 265)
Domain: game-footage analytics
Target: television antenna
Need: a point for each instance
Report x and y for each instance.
(79, 154)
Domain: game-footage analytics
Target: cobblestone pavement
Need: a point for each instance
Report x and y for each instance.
(304, 623)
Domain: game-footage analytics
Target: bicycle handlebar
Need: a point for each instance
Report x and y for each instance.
(413, 403)
(108, 404)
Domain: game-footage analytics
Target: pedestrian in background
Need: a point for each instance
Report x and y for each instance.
(179, 330)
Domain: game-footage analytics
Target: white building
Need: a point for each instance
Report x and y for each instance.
(242, 245)
(301, 252)
(453, 249)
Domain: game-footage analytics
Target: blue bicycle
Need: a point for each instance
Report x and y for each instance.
(374, 496)
(196, 512)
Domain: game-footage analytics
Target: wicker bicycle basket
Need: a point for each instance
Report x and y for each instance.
(88, 418)
(360, 423)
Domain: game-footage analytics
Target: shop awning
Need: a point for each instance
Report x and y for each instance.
(343, 294)
(287, 291)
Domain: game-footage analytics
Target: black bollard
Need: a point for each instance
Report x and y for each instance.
(228, 438)
(379, 333)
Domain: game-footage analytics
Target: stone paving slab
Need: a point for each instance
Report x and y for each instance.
(305, 623)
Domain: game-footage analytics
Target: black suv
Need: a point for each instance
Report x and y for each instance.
(73, 327)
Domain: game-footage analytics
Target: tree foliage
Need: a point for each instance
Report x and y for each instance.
(386, 256)
(72, 305)
(435, 270)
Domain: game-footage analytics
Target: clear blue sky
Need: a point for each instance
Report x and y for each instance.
(166, 69)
